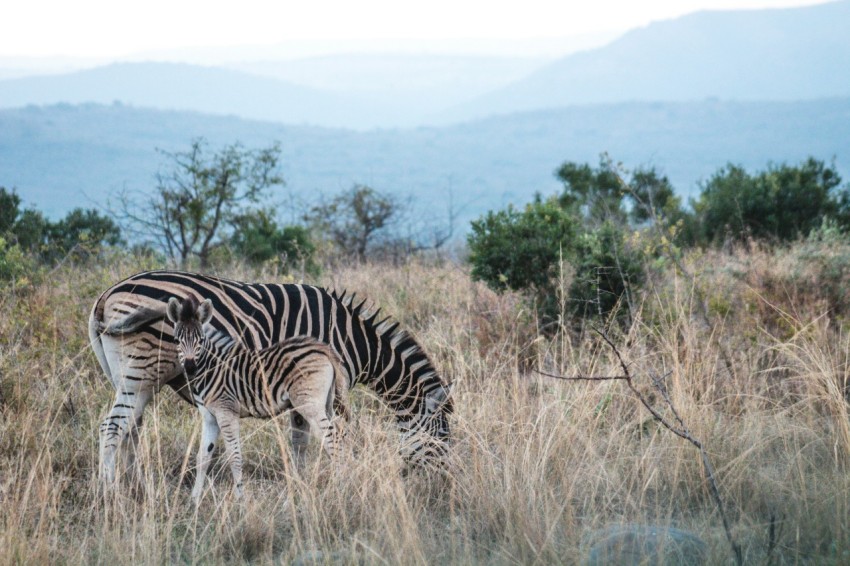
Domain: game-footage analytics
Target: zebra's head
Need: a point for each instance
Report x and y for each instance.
(439, 405)
(189, 318)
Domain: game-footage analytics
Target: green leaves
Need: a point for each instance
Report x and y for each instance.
(516, 250)
(258, 239)
(199, 200)
(779, 204)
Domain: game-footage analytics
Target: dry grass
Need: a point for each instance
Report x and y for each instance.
(538, 464)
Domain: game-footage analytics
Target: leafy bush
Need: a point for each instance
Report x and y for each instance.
(607, 270)
(14, 262)
(522, 250)
(257, 238)
(512, 249)
(82, 231)
(779, 204)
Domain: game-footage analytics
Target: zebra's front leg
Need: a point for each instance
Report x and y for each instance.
(229, 423)
(209, 435)
(126, 414)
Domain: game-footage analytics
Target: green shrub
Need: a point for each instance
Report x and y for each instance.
(522, 251)
(780, 204)
(14, 262)
(83, 232)
(512, 249)
(259, 239)
(607, 271)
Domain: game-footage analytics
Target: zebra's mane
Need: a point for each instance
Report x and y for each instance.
(386, 328)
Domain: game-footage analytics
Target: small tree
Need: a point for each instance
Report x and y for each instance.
(10, 204)
(595, 194)
(653, 198)
(354, 220)
(196, 202)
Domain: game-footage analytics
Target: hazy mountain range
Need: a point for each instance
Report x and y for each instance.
(64, 156)
(781, 54)
(686, 95)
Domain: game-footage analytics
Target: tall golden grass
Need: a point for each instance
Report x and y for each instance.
(757, 366)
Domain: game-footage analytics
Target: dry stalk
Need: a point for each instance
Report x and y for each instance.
(678, 428)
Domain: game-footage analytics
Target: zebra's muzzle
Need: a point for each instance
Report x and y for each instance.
(190, 368)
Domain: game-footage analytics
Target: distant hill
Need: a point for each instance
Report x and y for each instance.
(64, 156)
(176, 86)
(353, 91)
(410, 88)
(780, 54)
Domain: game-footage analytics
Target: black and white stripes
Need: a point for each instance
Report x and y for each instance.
(135, 346)
(300, 375)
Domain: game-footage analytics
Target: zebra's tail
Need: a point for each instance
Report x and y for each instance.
(95, 332)
(130, 323)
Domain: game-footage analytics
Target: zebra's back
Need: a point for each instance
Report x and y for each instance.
(259, 382)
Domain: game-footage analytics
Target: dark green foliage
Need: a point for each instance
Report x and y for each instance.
(26, 228)
(652, 198)
(779, 204)
(31, 230)
(28, 233)
(607, 271)
(10, 204)
(584, 226)
(523, 251)
(258, 239)
(512, 249)
(597, 194)
(83, 229)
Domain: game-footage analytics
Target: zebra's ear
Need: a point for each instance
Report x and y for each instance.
(172, 311)
(205, 311)
(438, 397)
(444, 392)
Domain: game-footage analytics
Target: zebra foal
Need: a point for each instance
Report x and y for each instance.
(300, 375)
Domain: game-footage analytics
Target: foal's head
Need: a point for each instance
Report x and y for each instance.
(189, 318)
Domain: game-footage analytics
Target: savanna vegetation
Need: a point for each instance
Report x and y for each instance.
(742, 333)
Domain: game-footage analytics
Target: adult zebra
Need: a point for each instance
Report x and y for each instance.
(135, 346)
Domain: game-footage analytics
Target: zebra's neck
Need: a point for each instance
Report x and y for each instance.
(392, 363)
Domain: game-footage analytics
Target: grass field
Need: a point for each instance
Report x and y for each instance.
(756, 355)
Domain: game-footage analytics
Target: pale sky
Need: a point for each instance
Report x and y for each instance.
(116, 28)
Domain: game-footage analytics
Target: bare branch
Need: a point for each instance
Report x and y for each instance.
(680, 431)
(584, 377)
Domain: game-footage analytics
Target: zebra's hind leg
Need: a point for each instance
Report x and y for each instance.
(312, 420)
(126, 414)
(312, 400)
(300, 436)
(209, 435)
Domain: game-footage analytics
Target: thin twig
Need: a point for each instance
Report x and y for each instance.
(583, 377)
